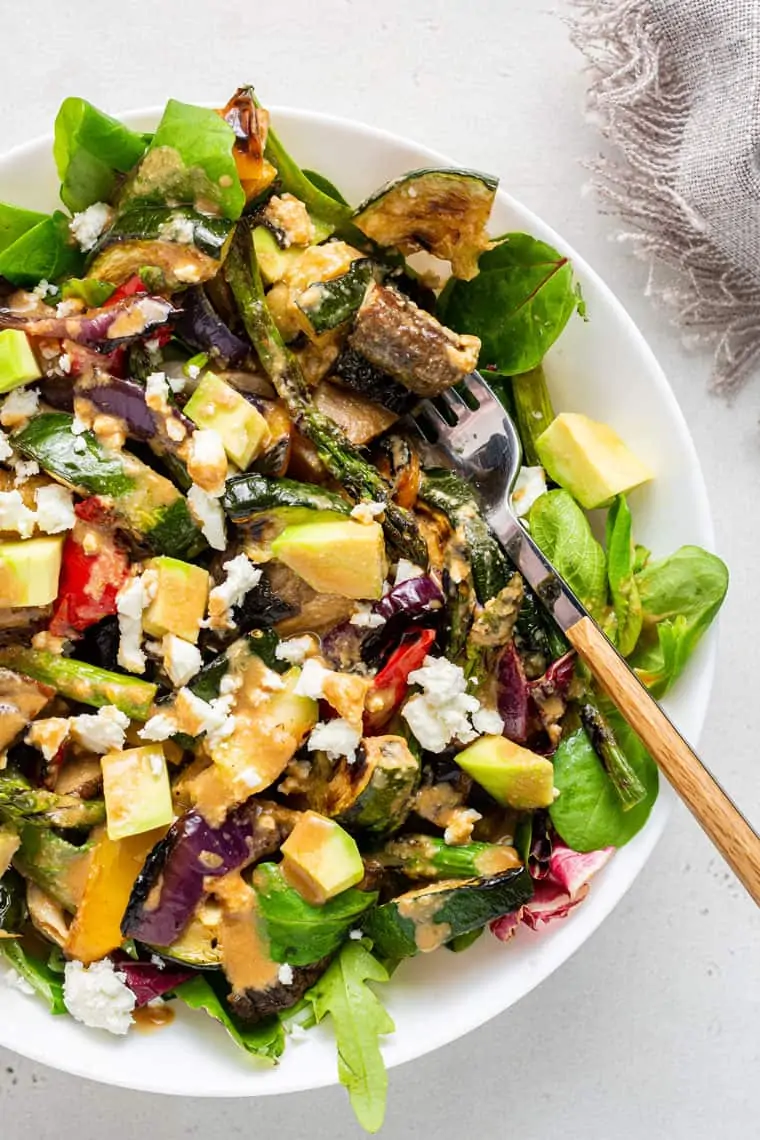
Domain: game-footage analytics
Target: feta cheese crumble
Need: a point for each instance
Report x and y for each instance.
(312, 679)
(182, 659)
(64, 363)
(98, 996)
(102, 732)
(88, 225)
(131, 600)
(285, 974)
(14, 515)
(335, 737)
(529, 486)
(194, 716)
(24, 469)
(241, 577)
(207, 461)
(295, 650)
(178, 229)
(48, 735)
(209, 515)
(19, 407)
(368, 512)
(78, 426)
(44, 289)
(364, 618)
(406, 570)
(441, 713)
(6, 451)
(487, 722)
(55, 509)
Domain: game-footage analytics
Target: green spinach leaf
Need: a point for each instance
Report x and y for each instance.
(91, 149)
(588, 813)
(359, 1020)
(265, 1040)
(628, 613)
(519, 303)
(562, 531)
(680, 597)
(297, 932)
(44, 250)
(15, 222)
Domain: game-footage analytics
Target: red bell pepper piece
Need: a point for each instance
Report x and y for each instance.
(89, 582)
(390, 684)
(130, 288)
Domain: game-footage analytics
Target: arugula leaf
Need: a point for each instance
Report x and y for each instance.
(44, 981)
(588, 813)
(680, 597)
(189, 162)
(297, 932)
(265, 1040)
(90, 150)
(359, 1020)
(29, 253)
(519, 303)
(621, 558)
(562, 531)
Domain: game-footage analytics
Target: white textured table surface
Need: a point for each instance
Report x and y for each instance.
(653, 1028)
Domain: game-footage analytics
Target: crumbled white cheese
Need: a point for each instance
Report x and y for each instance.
(88, 225)
(78, 426)
(285, 974)
(69, 308)
(178, 229)
(364, 618)
(15, 981)
(6, 451)
(335, 737)
(207, 461)
(295, 650)
(182, 659)
(159, 727)
(406, 570)
(44, 289)
(14, 515)
(177, 383)
(230, 683)
(367, 512)
(212, 717)
(131, 600)
(241, 577)
(98, 996)
(102, 732)
(79, 445)
(24, 469)
(529, 486)
(64, 363)
(48, 734)
(157, 391)
(487, 721)
(18, 407)
(356, 935)
(312, 679)
(193, 372)
(460, 828)
(55, 509)
(440, 713)
(209, 515)
(159, 963)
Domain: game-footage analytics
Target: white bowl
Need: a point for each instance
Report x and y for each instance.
(603, 368)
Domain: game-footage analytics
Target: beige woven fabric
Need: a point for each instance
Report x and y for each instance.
(675, 88)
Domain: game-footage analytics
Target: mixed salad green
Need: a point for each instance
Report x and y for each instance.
(277, 711)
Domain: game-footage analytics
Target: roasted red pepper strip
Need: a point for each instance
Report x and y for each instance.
(390, 685)
(130, 288)
(89, 582)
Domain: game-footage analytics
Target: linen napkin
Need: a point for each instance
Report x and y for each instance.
(675, 88)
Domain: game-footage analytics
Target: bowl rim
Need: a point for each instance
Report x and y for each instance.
(585, 921)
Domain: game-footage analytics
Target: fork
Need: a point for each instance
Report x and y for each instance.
(478, 438)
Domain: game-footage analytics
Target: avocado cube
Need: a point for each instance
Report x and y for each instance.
(273, 262)
(180, 601)
(216, 405)
(18, 364)
(320, 859)
(589, 459)
(513, 775)
(29, 571)
(136, 790)
(341, 556)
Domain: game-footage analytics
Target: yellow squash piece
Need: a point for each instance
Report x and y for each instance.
(96, 929)
(589, 459)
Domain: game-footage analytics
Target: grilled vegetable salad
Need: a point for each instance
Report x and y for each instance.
(277, 711)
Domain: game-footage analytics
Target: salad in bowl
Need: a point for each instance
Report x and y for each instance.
(278, 714)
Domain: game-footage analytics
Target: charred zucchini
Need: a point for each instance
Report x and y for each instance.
(409, 344)
(354, 371)
(424, 919)
(56, 866)
(442, 211)
(376, 791)
(327, 304)
(145, 503)
(184, 245)
(198, 945)
(426, 857)
(250, 494)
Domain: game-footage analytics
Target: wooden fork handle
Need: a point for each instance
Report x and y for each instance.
(708, 803)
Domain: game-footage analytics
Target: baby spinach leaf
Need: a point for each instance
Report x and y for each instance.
(42, 250)
(265, 1040)
(562, 531)
(588, 813)
(297, 932)
(519, 303)
(680, 597)
(15, 222)
(43, 980)
(325, 185)
(624, 589)
(90, 150)
(189, 162)
(359, 1020)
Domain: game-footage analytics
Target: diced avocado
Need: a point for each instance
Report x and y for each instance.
(336, 557)
(18, 364)
(136, 790)
(589, 459)
(180, 601)
(513, 775)
(215, 404)
(273, 261)
(320, 859)
(9, 845)
(29, 571)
